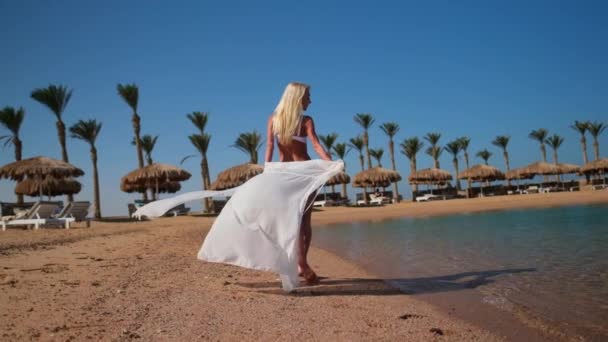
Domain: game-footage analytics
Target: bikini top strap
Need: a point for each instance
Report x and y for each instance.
(299, 124)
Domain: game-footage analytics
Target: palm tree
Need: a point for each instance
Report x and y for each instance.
(555, 142)
(341, 151)
(377, 154)
(56, 98)
(328, 141)
(596, 128)
(582, 127)
(357, 143)
(454, 148)
(410, 147)
(434, 151)
(130, 94)
(485, 155)
(147, 143)
(540, 135)
(12, 119)
(88, 131)
(250, 143)
(365, 120)
(199, 120)
(201, 143)
(464, 146)
(502, 141)
(391, 129)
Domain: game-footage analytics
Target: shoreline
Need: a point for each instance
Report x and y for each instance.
(129, 280)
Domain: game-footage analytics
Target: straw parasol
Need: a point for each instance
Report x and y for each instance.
(236, 176)
(49, 187)
(482, 173)
(340, 178)
(517, 174)
(154, 175)
(169, 187)
(596, 166)
(429, 176)
(599, 166)
(568, 168)
(39, 168)
(376, 177)
(540, 168)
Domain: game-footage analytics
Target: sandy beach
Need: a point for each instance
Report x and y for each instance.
(123, 280)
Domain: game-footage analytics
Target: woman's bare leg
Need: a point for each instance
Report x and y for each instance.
(304, 245)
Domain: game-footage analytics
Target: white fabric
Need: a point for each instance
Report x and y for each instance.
(259, 226)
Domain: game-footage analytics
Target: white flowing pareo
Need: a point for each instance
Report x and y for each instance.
(259, 226)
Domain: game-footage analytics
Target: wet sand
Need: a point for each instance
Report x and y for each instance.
(141, 280)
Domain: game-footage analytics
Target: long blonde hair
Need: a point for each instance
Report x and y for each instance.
(288, 112)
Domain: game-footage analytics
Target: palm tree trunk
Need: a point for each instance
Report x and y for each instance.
(18, 151)
(206, 184)
(254, 157)
(64, 150)
(391, 150)
(412, 170)
(558, 177)
(543, 151)
(343, 190)
(136, 121)
(96, 183)
(366, 142)
(362, 160)
(506, 156)
(584, 147)
(204, 178)
(466, 158)
(455, 161)
(596, 148)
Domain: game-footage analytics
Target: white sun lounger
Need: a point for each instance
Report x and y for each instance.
(40, 214)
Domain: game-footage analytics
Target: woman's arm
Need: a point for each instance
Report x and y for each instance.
(312, 135)
(269, 141)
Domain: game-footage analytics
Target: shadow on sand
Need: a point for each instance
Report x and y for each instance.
(384, 287)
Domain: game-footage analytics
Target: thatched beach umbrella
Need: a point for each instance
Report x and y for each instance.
(429, 176)
(38, 169)
(517, 174)
(482, 173)
(155, 175)
(236, 176)
(49, 187)
(376, 177)
(568, 168)
(599, 166)
(596, 166)
(540, 168)
(168, 187)
(340, 178)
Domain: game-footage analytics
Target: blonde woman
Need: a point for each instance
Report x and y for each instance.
(290, 128)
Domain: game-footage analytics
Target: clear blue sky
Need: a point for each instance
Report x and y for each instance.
(479, 69)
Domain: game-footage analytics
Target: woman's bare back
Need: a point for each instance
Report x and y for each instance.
(296, 150)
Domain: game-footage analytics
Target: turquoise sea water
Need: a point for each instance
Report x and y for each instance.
(547, 267)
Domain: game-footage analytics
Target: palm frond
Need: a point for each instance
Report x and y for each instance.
(390, 128)
(539, 135)
(130, 94)
(186, 158)
(484, 154)
(454, 147)
(554, 141)
(411, 146)
(250, 143)
(376, 153)
(365, 120)
(464, 143)
(580, 126)
(86, 130)
(199, 120)
(329, 140)
(356, 143)
(12, 119)
(55, 97)
(200, 142)
(341, 150)
(432, 138)
(596, 128)
(501, 141)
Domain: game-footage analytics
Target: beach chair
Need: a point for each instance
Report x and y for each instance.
(178, 210)
(532, 189)
(75, 212)
(40, 214)
(428, 197)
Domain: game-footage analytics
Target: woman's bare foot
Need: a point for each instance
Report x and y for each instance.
(310, 277)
